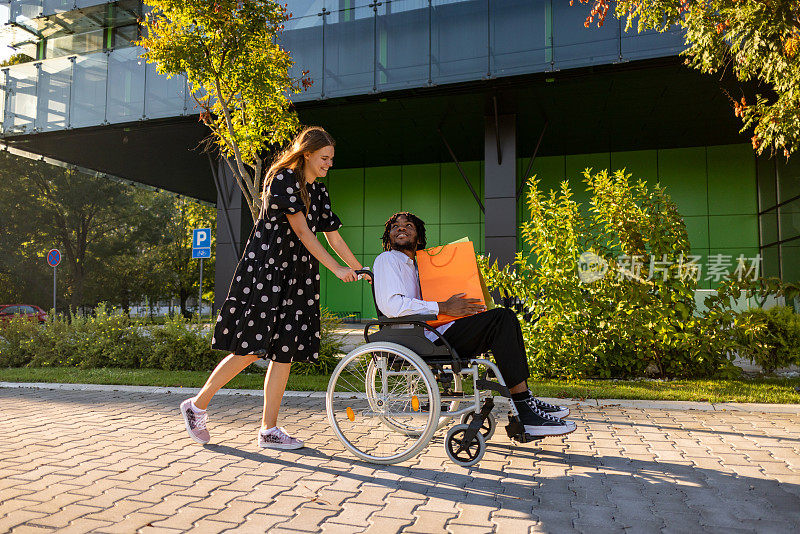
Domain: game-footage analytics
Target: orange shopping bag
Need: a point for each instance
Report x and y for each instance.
(447, 270)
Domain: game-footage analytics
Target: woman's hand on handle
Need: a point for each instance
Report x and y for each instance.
(345, 274)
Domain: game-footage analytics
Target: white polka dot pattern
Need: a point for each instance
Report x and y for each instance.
(270, 311)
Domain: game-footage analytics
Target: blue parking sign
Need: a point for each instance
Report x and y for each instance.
(201, 238)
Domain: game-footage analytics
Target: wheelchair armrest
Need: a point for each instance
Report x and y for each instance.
(407, 319)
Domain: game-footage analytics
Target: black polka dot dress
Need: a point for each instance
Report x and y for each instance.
(272, 308)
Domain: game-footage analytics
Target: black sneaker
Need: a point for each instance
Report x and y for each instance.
(539, 423)
(556, 411)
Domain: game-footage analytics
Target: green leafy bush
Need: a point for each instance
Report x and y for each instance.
(776, 343)
(633, 318)
(111, 339)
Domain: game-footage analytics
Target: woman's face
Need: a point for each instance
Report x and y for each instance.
(319, 161)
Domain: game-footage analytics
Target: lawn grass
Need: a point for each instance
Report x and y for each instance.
(764, 390)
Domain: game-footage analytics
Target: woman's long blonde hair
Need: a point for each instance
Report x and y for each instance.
(310, 139)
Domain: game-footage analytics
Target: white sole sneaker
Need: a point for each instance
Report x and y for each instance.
(281, 446)
(204, 436)
(551, 430)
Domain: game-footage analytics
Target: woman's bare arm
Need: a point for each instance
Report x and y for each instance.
(338, 244)
(298, 223)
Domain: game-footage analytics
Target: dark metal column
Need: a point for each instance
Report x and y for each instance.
(500, 187)
(233, 227)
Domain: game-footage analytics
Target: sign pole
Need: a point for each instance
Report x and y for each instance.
(200, 293)
(53, 259)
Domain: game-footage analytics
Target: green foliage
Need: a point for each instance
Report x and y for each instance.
(639, 316)
(231, 54)
(110, 339)
(16, 59)
(776, 343)
(758, 41)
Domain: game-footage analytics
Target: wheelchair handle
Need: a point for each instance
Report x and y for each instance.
(365, 271)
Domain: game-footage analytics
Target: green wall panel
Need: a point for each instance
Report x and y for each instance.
(346, 187)
(353, 236)
(575, 165)
(458, 204)
(733, 252)
(726, 231)
(452, 232)
(641, 164)
(421, 192)
(731, 180)
(697, 228)
(683, 172)
(382, 194)
(373, 243)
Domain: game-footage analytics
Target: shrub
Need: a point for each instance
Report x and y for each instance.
(633, 317)
(777, 343)
(111, 339)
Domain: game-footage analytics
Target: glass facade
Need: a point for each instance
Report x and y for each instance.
(779, 216)
(349, 47)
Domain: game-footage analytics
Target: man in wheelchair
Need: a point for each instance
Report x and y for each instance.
(397, 293)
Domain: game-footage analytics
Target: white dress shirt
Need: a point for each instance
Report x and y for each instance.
(397, 289)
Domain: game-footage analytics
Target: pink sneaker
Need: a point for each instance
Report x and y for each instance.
(277, 438)
(195, 420)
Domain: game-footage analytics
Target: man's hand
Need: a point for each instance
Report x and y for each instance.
(458, 306)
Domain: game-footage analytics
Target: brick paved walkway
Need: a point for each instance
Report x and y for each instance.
(77, 461)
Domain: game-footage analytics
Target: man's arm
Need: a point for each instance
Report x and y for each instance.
(391, 295)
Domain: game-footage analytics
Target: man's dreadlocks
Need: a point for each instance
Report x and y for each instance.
(418, 223)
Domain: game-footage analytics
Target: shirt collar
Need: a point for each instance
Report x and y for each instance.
(402, 256)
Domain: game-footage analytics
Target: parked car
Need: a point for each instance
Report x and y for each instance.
(33, 313)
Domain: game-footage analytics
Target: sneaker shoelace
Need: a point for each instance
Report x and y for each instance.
(200, 419)
(545, 405)
(281, 434)
(544, 415)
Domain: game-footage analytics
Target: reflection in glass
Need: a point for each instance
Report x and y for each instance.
(402, 44)
(54, 86)
(769, 227)
(3, 97)
(769, 261)
(521, 36)
(790, 220)
(67, 45)
(790, 262)
(575, 45)
(788, 178)
(21, 103)
(22, 10)
(125, 85)
(303, 40)
(650, 43)
(349, 51)
(767, 194)
(459, 40)
(88, 106)
(50, 7)
(163, 97)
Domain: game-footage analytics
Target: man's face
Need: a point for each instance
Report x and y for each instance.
(403, 234)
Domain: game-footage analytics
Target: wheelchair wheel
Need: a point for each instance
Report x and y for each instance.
(412, 428)
(487, 428)
(383, 403)
(462, 453)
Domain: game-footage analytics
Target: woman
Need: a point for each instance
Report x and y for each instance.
(272, 309)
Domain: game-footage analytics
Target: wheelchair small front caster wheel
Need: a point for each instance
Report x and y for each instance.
(463, 453)
(487, 428)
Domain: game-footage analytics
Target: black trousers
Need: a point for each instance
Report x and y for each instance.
(497, 330)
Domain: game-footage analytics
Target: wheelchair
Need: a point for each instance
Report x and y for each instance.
(387, 398)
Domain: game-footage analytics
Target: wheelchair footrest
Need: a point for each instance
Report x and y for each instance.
(516, 431)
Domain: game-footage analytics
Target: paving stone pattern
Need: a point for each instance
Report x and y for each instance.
(80, 461)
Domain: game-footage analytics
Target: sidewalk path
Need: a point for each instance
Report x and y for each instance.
(120, 461)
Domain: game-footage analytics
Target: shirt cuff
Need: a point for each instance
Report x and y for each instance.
(434, 307)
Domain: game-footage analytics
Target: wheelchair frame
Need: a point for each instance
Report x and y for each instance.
(410, 354)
